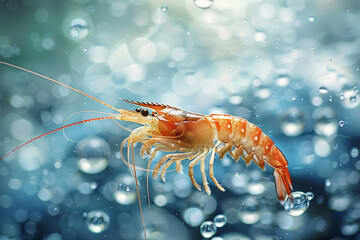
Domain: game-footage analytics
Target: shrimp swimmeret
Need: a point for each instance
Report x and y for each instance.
(186, 135)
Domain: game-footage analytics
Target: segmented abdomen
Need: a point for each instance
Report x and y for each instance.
(240, 132)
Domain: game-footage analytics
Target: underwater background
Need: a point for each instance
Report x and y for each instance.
(291, 67)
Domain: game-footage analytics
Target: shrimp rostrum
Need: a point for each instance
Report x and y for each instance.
(186, 135)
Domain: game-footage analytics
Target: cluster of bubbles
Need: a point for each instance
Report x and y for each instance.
(209, 228)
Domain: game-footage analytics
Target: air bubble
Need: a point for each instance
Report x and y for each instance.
(311, 19)
(125, 190)
(354, 152)
(310, 195)
(292, 123)
(208, 229)
(353, 99)
(79, 28)
(296, 203)
(356, 89)
(220, 220)
(341, 123)
(350, 93)
(164, 8)
(97, 221)
(249, 212)
(323, 90)
(325, 122)
(282, 80)
(203, 4)
(93, 154)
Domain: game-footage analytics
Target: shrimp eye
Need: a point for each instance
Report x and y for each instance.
(137, 110)
(144, 112)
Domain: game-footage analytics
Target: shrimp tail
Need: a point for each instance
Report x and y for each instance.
(283, 183)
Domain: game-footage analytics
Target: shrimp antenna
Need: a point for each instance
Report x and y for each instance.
(62, 84)
(55, 130)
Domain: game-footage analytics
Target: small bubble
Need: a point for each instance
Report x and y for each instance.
(93, 185)
(93, 154)
(353, 99)
(164, 8)
(341, 123)
(356, 89)
(327, 183)
(125, 189)
(311, 19)
(282, 80)
(85, 49)
(323, 90)
(293, 122)
(296, 203)
(249, 211)
(326, 124)
(79, 29)
(310, 195)
(208, 229)
(53, 210)
(220, 220)
(97, 221)
(203, 4)
(354, 152)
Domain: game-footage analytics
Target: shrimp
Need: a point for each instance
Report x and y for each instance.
(193, 136)
(187, 135)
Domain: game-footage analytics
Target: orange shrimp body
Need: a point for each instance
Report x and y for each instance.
(192, 136)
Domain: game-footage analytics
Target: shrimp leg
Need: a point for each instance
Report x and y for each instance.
(224, 149)
(177, 159)
(164, 159)
(202, 169)
(211, 168)
(199, 155)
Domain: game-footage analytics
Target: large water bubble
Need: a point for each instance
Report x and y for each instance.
(203, 4)
(293, 122)
(125, 189)
(79, 28)
(93, 154)
(97, 221)
(220, 220)
(297, 202)
(208, 229)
